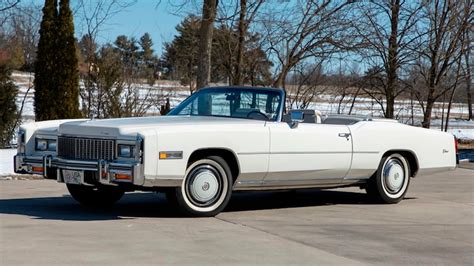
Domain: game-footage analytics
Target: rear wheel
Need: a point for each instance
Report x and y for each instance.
(206, 188)
(103, 196)
(390, 183)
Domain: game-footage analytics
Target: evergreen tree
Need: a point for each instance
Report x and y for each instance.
(148, 60)
(45, 64)
(8, 109)
(181, 54)
(67, 90)
(128, 50)
(147, 51)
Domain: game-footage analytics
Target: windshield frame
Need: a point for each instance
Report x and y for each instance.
(190, 98)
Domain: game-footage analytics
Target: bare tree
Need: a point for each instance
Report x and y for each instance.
(306, 85)
(19, 27)
(468, 71)
(240, 44)
(94, 15)
(297, 31)
(209, 11)
(246, 16)
(8, 4)
(389, 28)
(457, 77)
(439, 49)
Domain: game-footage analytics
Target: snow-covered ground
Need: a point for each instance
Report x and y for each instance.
(326, 103)
(6, 161)
(164, 89)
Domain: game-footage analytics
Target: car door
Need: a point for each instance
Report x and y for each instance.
(308, 153)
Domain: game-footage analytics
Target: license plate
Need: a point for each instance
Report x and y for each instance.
(73, 176)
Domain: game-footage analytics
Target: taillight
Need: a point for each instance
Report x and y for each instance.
(456, 145)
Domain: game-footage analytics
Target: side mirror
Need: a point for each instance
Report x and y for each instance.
(296, 117)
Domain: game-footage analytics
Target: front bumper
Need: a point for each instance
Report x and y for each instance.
(105, 172)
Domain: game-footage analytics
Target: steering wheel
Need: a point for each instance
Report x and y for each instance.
(258, 113)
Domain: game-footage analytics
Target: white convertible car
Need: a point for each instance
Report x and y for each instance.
(226, 139)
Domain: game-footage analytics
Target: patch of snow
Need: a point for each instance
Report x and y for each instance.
(462, 133)
(455, 123)
(462, 129)
(6, 161)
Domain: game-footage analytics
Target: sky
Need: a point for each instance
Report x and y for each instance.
(144, 16)
(157, 17)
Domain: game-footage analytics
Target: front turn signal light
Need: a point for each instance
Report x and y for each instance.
(123, 177)
(37, 169)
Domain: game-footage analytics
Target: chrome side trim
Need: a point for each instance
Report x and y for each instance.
(163, 181)
(309, 152)
(360, 173)
(294, 184)
(250, 177)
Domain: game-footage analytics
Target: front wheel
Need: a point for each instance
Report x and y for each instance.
(390, 183)
(206, 188)
(103, 196)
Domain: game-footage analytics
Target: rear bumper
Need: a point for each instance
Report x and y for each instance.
(104, 171)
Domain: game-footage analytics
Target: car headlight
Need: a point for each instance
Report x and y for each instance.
(41, 144)
(45, 145)
(51, 145)
(126, 151)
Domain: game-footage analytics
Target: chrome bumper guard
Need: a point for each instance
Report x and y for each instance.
(27, 165)
(105, 170)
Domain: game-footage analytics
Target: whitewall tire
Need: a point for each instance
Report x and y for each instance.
(391, 181)
(206, 188)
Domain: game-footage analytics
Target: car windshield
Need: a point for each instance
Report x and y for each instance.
(249, 103)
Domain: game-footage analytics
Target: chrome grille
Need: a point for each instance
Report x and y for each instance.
(86, 148)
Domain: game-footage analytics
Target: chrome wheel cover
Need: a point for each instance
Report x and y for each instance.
(393, 175)
(203, 184)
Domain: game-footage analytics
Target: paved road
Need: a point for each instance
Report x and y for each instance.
(41, 224)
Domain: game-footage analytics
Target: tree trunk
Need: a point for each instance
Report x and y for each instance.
(468, 76)
(389, 109)
(442, 112)
(392, 60)
(451, 98)
(209, 10)
(412, 109)
(280, 81)
(340, 103)
(353, 100)
(240, 45)
(429, 107)
(449, 108)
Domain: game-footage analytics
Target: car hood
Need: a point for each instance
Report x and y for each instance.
(49, 127)
(131, 126)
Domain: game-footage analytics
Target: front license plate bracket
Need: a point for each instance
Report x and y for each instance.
(75, 177)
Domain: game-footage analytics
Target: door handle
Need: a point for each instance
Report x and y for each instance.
(345, 135)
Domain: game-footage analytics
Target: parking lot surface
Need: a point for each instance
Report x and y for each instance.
(41, 224)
